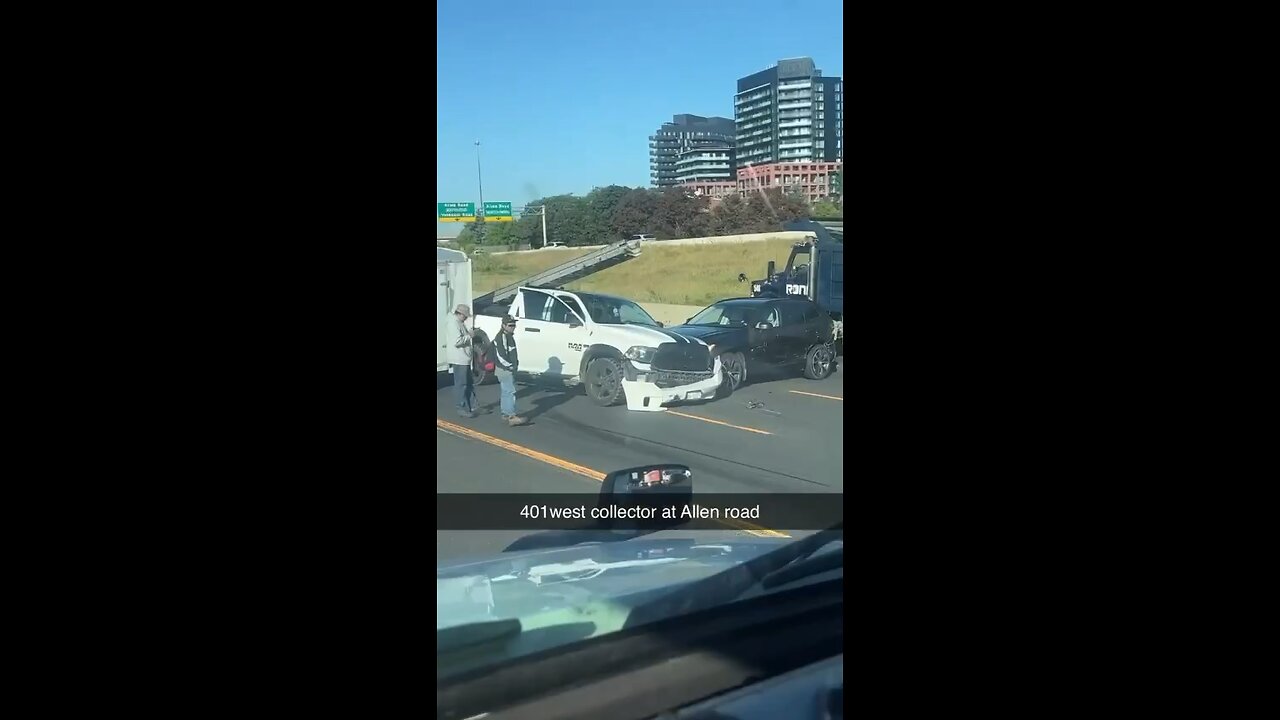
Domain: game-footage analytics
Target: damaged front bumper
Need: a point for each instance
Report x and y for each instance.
(648, 389)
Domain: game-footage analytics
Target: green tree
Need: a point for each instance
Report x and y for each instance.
(608, 214)
(634, 214)
(604, 203)
(679, 213)
(570, 221)
(768, 209)
(826, 208)
(729, 216)
(494, 234)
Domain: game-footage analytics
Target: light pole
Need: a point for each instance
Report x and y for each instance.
(542, 210)
(479, 210)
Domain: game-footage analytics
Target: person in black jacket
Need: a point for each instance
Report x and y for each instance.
(507, 362)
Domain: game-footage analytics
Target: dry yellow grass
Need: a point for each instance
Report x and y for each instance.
(490, 272)
(674, 274)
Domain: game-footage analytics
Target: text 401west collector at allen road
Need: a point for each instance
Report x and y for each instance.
(614, 512)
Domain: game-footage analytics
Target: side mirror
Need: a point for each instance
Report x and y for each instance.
(650, 497)
(660, 323)
(574, 324)
(688, 320)
(763, 326)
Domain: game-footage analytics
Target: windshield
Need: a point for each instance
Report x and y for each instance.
(616, 311)
(732, 314)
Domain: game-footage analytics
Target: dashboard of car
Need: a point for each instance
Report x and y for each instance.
(815, 692)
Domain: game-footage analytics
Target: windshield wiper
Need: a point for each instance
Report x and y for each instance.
(729, 584)
(803, 568)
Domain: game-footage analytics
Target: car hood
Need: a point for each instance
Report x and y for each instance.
(617, 575)
(712, 334)
(650, 336)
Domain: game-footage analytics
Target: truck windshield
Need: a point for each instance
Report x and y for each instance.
(615, 311)
(728, 314)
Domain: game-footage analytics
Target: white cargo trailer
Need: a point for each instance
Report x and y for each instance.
(453, 288)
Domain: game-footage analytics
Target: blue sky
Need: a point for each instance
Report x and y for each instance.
(563, 94)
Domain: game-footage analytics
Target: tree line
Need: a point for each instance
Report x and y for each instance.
(613, 213)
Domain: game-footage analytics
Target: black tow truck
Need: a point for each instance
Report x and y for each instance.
(819, 274)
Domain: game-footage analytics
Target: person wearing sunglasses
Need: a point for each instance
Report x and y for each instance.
(508, 362)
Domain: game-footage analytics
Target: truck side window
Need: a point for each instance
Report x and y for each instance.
(535, 304)
(555, 310)
(576, 307)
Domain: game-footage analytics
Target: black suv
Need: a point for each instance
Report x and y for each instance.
(788, 333)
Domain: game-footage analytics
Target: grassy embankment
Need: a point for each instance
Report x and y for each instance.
(675, 274)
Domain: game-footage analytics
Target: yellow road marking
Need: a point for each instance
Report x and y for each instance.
(549, 459)
(718, 422)
(829, 397)
(753, 529)
(596, 475)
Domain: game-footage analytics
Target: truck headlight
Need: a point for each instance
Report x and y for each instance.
(640, 353)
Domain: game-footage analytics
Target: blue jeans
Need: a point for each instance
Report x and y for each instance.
(462, 387)
(508, 382)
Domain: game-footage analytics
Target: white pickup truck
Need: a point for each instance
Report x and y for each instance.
(598, 340)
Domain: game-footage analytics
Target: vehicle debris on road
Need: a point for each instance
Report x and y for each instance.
(757, 405)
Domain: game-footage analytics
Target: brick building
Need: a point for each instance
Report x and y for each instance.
(813, 179)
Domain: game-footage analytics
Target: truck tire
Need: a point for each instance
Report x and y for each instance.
(604, 381)
(819, 362)
(734, 366)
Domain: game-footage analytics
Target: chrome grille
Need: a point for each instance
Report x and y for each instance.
(682, 356)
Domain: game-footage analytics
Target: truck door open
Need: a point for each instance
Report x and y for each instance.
(442, 301)
(547, 341)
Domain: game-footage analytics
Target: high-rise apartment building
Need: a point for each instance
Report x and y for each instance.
(705, 163)
(709, 138)
(789, 113)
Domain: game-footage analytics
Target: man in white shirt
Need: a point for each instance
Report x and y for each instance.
(459, 354)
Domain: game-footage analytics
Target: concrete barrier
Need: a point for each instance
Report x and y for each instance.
(789, 235)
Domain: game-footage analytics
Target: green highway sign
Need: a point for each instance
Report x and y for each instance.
(456, 212)
(497, 209)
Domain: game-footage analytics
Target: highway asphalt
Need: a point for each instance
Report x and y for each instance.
(775, 435)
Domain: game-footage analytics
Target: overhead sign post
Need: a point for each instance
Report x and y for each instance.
(498, 212)
(456, 212)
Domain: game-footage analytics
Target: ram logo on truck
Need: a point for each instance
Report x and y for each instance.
(794, 289)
